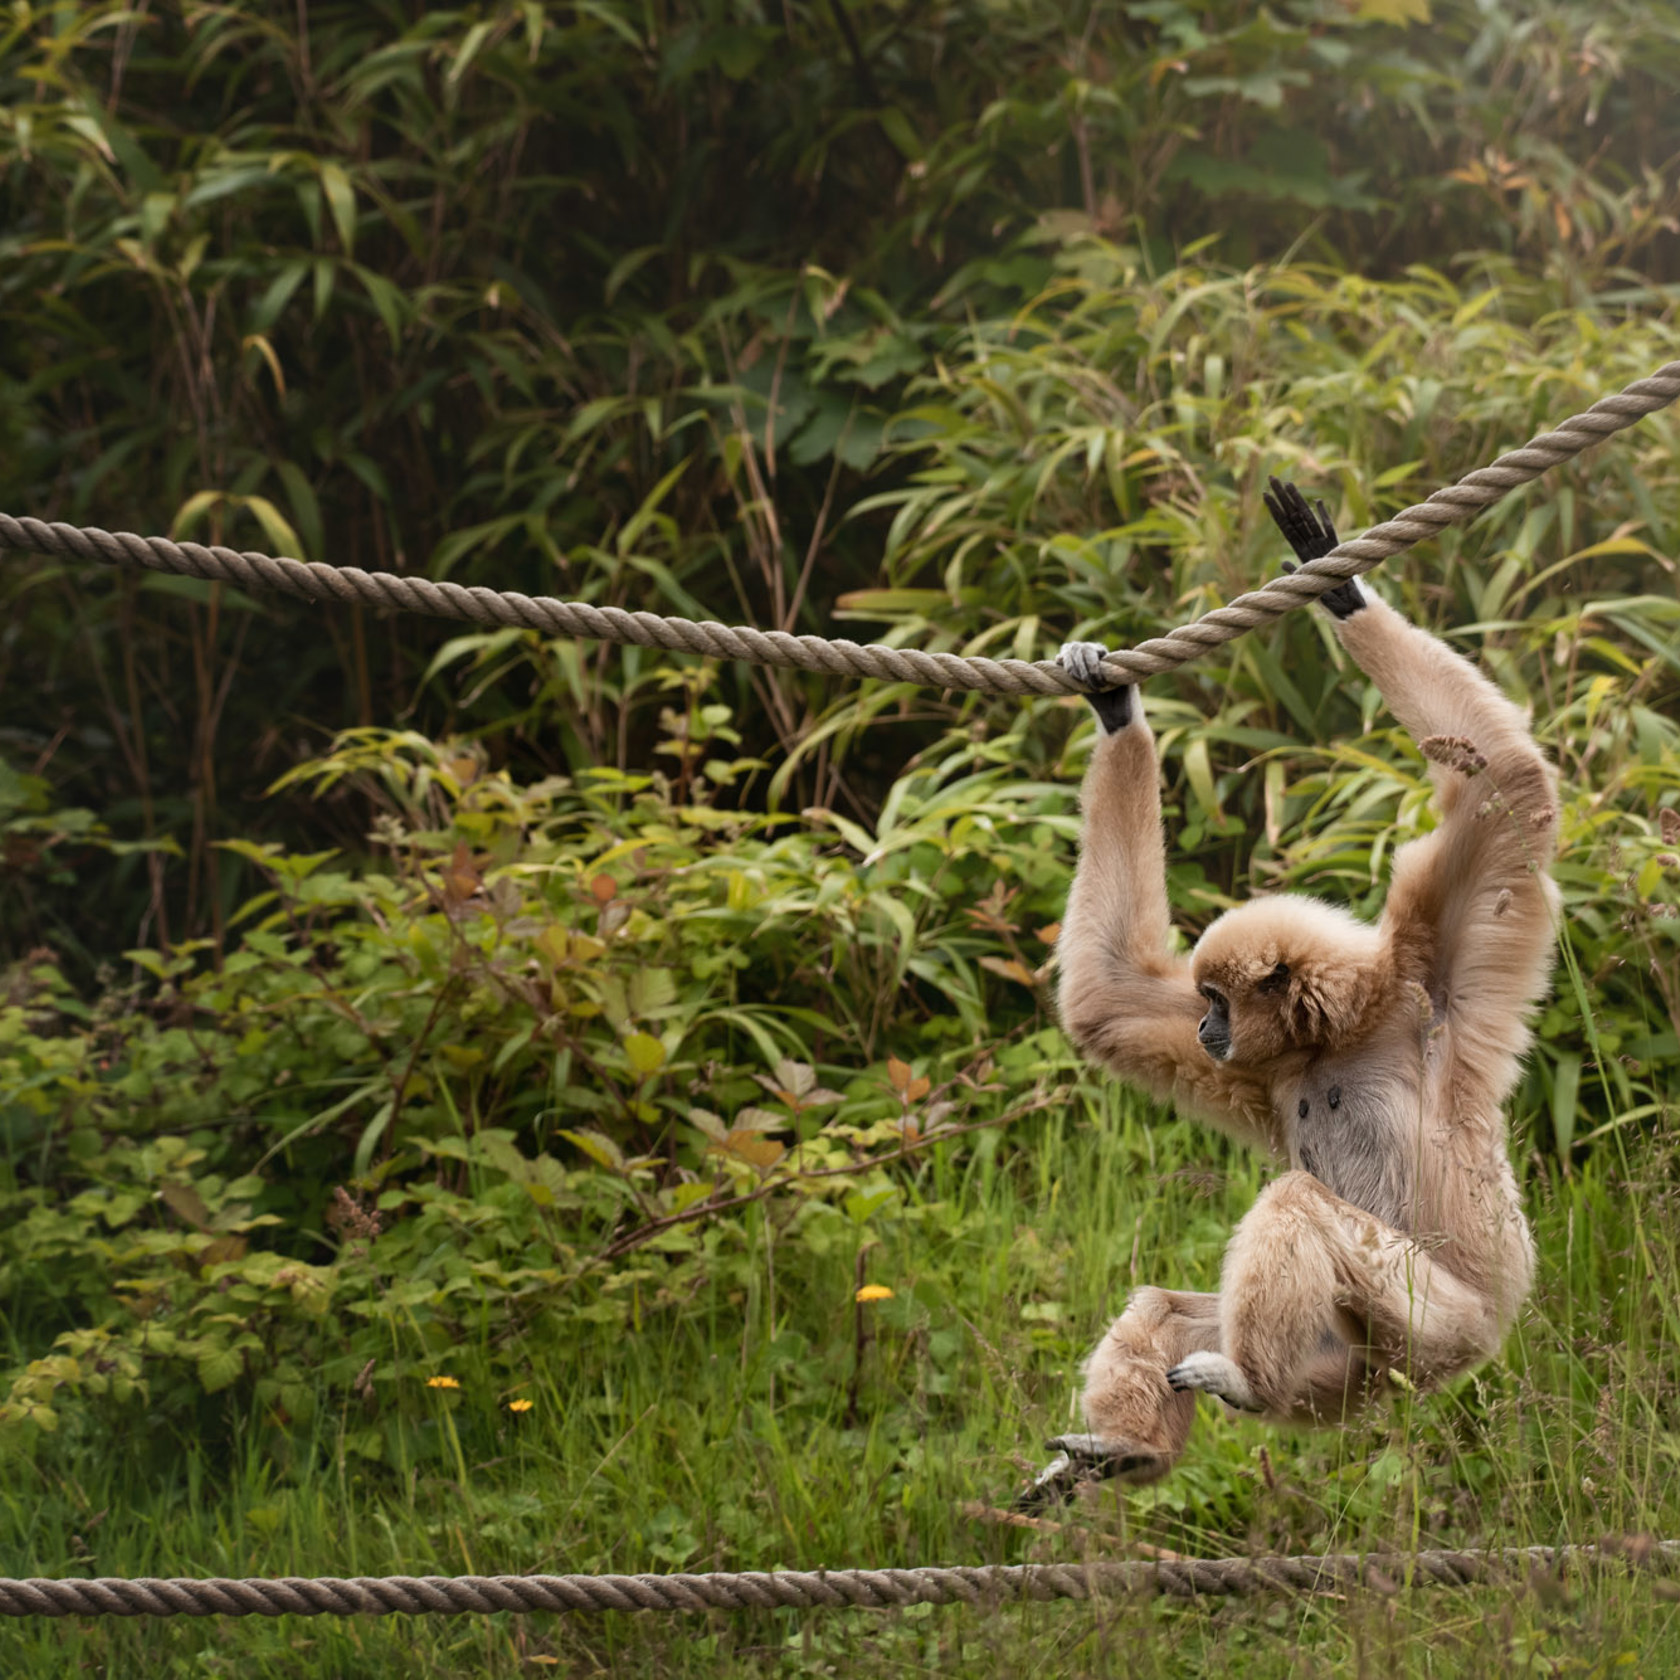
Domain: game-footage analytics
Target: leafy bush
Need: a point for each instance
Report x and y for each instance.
(561, 1025)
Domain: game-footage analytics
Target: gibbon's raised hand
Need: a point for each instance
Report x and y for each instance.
(1375, 1059)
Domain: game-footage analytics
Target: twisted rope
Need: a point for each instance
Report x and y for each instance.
(787, 1589)
(313, 581)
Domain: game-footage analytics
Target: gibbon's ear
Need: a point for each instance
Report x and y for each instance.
(1325, 1000)
(1276, 980)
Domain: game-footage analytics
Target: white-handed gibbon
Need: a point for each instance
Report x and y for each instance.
(1375, 1059)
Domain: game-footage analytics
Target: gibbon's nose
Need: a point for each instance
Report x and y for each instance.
(1214, 1036)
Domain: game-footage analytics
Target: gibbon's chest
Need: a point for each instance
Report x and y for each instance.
(1353, 1123)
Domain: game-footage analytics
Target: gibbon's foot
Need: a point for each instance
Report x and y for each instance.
(1213, 1373)
(1083, 662)
(1311, 536)
(1081, 1459)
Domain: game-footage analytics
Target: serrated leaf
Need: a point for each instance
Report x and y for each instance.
(754, 1148)
(709, 1123)
(645, 1054)
(795, 1077)
(760, 1120)
(219, 1368)
(186, 1204)
(599, 1148)
(652, 989)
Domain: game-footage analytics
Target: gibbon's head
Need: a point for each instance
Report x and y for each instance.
(1282, 974)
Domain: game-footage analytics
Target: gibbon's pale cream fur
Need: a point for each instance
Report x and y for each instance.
(1376, 1059)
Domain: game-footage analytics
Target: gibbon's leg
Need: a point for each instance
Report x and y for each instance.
(1304, 1265)
(1138, 1424)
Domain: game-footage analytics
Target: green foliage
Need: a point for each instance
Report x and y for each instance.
(459, 1145)
(560, 1025)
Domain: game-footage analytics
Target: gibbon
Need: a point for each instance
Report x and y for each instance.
(1376, 1059)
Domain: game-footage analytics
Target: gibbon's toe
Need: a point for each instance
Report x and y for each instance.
(1081, 1459)
(1213, 1373)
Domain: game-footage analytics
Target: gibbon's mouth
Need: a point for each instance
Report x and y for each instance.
(1220, 1051)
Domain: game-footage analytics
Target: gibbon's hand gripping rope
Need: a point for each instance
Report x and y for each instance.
(313, 581)
(827, 1589)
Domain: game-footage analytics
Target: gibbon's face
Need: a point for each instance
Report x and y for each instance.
(1264, 1027)
(1282, 975)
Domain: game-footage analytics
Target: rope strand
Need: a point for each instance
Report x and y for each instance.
(832, 1589)
(489, 608)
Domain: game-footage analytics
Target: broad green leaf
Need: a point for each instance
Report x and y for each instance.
(645, 1054)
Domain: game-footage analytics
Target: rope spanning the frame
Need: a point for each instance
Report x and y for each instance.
(313, 581)
(832, 1589)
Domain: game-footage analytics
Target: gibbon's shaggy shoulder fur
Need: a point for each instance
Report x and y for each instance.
(1376, 1059)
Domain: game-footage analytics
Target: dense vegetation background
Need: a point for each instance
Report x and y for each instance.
(453, 1086)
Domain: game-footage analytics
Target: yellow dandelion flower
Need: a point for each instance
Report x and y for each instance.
(873, 1292)
(520, 1405)
(441, 1382)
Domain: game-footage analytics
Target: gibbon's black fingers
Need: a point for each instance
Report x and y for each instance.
(1083, 662)
(1294, 519)
(1312, 537)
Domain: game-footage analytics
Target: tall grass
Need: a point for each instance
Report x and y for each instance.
(746, 1434)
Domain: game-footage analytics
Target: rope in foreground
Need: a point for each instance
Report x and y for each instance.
(314, 581)
(834, 1589)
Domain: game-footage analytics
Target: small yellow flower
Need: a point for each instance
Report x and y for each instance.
(520, 1405)
(441, 1382)
(874, 1292)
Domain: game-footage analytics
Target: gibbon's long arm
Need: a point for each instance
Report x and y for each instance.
(1125, 998)
(1472, 908)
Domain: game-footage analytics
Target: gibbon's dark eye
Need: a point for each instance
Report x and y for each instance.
(1211, 994)
(1276, 980)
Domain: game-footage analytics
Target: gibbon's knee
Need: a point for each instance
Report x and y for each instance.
(1280, 1292)
(1305, 1265)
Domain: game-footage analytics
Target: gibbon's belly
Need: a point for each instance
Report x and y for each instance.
(1347, 1128)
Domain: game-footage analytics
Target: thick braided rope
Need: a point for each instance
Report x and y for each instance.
(313, 581)
(786, 1589)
